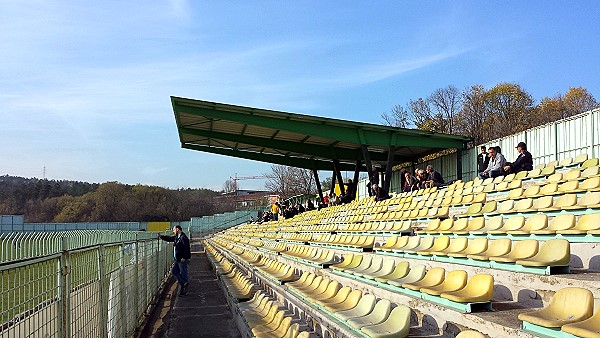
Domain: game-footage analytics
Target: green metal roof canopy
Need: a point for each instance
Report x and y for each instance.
(297, 140)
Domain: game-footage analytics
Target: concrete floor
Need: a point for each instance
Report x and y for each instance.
(203, 311)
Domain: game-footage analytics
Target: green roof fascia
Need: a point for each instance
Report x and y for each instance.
(273, 159)
(352, 132)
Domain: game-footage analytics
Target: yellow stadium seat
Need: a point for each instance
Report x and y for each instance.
(425, 243)
(364, 264)
(505, 206)
(432, 226)
(380, 312)
(475, 246)
(470, 334)
(264, 317)
(396, 325)
(532, 191)
(521, 175)
(376, 265)
(328, 291)
(492, 223)
(520, 250)
(559, 222)
(555, 252)
(509, 224)
(308, 285)
(587, 328)
(389, 243)
(455, 280)
(498, 247)
(474, 224)
(535, 173)
(364, 307)
(339, 297)
(439, 243)
(416, 273)
(573, 174)
(586, 223)
(579, 159)
(535, 222)
(569, 305)
(591, 171)
(411, 243)
(479, 288)
(590, 163)
(386, 268)
(400, 270)
(445, 226)
(400, 242)
(271, 325)
(590, 184)
(458, 225)
(350, 302)
(456, 245)
(433, 277)
(350, 261)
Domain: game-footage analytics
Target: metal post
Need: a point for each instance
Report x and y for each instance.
(122, 292)
(459, 164)
(355, 181)
(64, 290)
(103, 307)
(136, 280)
(336, 169)
(332, 183)
(388, 168)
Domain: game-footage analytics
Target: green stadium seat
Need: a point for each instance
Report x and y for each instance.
(400, 270)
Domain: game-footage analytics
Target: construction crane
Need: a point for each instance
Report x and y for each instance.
(243, 178)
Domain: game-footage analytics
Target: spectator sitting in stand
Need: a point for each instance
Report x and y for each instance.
(409, 182)
(300, 208)
(380, 193)
(309, 205)
(373, 179)
(435, 179)
(523, 162)
(495, 167)
(321, 204)
(333, 199)
(422, 178)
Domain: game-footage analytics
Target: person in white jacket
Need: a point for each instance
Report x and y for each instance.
(495, 167)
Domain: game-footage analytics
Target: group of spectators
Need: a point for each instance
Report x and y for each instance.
(491, 163)
(422, 179)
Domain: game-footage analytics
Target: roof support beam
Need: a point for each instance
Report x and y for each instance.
(338, 172)
(268, 158)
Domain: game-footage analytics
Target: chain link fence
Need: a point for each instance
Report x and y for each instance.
(84, 283)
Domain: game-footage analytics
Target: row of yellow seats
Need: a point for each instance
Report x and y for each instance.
(552, 188)
(454, 286)
(361, 312)
(238, 286)
(355, 241)
(264, 319)
(315, 255)
(590, 200)
(319, 227)
(298, 237)
(380, 226)
(555, 252)
(571, 310)
(577, 174)
(277, 270)
(538, 224)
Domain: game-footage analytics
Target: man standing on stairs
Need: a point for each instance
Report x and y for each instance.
(181, 255)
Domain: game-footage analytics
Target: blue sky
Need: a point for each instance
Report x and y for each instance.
(85, 86)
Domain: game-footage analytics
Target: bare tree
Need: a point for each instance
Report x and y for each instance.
(578, 100)
(290, 181)
(471, 119)
(399, 117)
(445, 104)
(230, 185)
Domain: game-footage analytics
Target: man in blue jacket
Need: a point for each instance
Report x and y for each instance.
(181, 255)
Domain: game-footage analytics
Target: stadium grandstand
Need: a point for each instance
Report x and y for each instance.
(511, 256)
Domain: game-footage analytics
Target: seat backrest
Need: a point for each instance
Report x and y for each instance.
(433, 225)
(460, 224)
(505, 206)
(413, 242)
(481, 285)
(398, 321)
(525, 248)
(380, 312)
(562, 222)
(555, 251)
(590, 183)
(549, 188)
(455, 280)
(565, 200)
(543, 202)
(457, 244)
(434, 276)
(532, 191)
(494, 223)
(292, 331)
(476, 223)
(588, 222)
(513, 223)
(477, 245)
(580, 158)
(589, 163)
(571, 302)
(446, 224)
(515, 193)
(589, 199)
(499, 247)
(536, 222)
(470, 334)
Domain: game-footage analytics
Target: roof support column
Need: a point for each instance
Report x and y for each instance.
(332, 182)
(316, 174)
(388, 169)
(338, 172)
(365, 153)
(458, 164)
(354, 187)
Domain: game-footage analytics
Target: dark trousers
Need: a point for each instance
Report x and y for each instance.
(180, 271)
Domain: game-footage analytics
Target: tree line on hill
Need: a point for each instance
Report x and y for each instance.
(42, 200)
(487, 114)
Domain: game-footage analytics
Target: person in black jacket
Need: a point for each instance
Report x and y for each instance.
(523, 162)
(482, 160)
(181, 255)
(380, 193)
